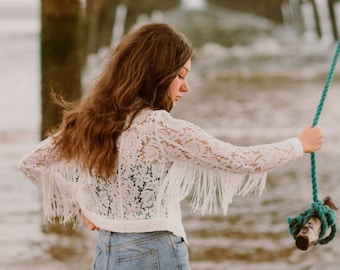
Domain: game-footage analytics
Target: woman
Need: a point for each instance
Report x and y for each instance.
(120, 159)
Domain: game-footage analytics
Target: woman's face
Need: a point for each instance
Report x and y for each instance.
(179, 85)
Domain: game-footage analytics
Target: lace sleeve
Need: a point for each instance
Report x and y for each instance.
(56, 179)
(186, 142)
(37, 162)
(214, 170)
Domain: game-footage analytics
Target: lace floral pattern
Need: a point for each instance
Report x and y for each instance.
(161, 160)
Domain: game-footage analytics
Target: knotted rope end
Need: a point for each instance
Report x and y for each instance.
(311, 226)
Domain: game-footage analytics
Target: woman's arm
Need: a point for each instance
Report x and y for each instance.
(56, 179)
(186, 142)
(38, 161)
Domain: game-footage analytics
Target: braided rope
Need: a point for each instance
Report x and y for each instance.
(318, 209)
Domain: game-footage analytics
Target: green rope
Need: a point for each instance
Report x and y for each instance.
(318, 209)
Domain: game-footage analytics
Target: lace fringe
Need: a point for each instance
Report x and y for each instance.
(58, 202)
(211, 190)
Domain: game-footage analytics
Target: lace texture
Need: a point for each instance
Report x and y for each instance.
(161, 161)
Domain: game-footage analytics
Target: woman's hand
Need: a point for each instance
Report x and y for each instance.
(311, 139)
(89, 224)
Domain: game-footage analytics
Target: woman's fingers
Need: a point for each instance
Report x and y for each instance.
(90, 224)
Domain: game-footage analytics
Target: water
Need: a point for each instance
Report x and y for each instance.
(256, 83)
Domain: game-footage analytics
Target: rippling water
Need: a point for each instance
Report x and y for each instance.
(256, 83)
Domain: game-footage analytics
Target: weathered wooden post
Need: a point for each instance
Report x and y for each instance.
(297, 15)
(100, 21)
(61, 55)
(332, 16)
(270, 9)
(316, 18)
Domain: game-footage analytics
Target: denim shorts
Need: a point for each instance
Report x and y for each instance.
(140, 251)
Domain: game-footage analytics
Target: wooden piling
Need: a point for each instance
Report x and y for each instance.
(333, 19)
(316, 18)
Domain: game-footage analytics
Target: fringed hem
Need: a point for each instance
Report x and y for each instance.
(211, 189)
(58, 191)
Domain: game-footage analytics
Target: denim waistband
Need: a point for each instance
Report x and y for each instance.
(121, 240)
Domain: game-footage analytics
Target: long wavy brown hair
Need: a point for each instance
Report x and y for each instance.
(137, 76)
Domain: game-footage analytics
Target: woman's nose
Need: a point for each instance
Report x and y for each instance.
(185, 86)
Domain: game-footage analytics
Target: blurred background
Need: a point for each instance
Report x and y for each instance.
(257, 78)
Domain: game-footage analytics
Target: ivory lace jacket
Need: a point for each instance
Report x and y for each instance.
(161, 161)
